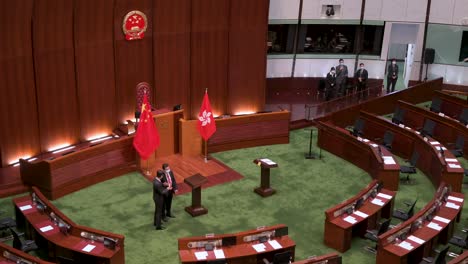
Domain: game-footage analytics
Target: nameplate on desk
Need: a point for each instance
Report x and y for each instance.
(350, 219)
(361, 214)
(406, 245)
(25, 207)
(219, 254)
(454, 166)
(365, 140)
(374, 145)
(388, 160)
(401, 125)
(46, 228)
(385, 196)
(435, 143)
(201, 255)
(88, 248)
(439, 148)
(377, 202)
(456, 199)
(417, 132)
(275, 244)
(441, 219)
(452, 205)
(434, 226)
(408, 128)
(416, 239)
(451, 160)
(259, 247)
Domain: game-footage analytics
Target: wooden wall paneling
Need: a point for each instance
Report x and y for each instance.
(248, 28)
(133, 59)
(19, 135)
(209, 54)
(171, 53)
(55, 73)
(95, 79)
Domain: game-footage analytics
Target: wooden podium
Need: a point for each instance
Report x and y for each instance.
(196, 181)
(265, 164)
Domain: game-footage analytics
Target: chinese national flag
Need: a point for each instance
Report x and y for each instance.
(146, 139)
(206, 123)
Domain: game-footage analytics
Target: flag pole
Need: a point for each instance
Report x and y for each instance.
(206, 151)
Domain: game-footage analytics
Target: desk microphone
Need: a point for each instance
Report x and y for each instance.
(442, 153)
(380, 151)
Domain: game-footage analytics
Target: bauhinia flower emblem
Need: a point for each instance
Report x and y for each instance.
(205, 118)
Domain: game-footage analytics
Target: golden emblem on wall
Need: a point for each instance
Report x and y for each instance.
(134, 25)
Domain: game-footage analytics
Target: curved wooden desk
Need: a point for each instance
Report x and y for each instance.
(331, 258)
(446, 130)
(359, 151)
(451, 105)
(242, 252)
(406, 140)
(462, 259)
(414, 239)
(40, 226)
(9, 255)
(341, 224)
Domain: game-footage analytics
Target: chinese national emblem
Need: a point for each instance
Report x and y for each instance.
(134, 25)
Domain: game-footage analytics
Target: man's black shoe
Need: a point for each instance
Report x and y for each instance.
(160, 228)
(165, 219)
(171, 216)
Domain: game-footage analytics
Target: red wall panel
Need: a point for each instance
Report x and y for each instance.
(247, 55)
(209, 54)
(19, 133)
(133, 59)
(95, 79)
(171, 47)
(55, 73)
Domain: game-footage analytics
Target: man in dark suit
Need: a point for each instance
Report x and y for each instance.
(159, 192)
(392, 76)
(168, 181)
(361, 76)
(341, 77)
(330, 84)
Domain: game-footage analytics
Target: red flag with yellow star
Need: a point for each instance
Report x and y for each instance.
(146, 139)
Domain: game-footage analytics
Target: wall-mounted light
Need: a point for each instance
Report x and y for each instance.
(61, 146)
(100, 139)
(244, 112)
(63, 149)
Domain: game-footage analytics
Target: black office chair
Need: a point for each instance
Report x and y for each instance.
(457, 150)
(435, 105)
(464, 117)
(411, 169)
(22, 244)
(398, 116)
(388, 140)
(280, 258)
(358, 127)
(374, 234)
(440, 259)
(459, 241)
(405, 215)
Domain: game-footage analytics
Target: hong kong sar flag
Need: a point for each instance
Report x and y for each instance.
(146, 139)
(206, 123)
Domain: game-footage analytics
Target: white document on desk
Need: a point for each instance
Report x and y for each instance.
(435, 143)
(46, 228)
(361, 214)
(454, 166)
(416, 239)
(452, 205)
(406, 245)
(374, 145)
(201, 255)
(441, 219)
(219, 254)
(388, 160)
(434, 226)
(456, 199)
(275, 244)
(383, 195)
(25, 207)
(451, 160)
(350, 219)
(259, 247)
(88, 248)
(439, 147)
(377, 202)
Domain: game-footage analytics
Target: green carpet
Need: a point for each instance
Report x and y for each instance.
(305, 189)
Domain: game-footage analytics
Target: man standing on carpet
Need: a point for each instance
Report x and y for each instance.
(341, 77)
(159, 193)
(168, 181)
